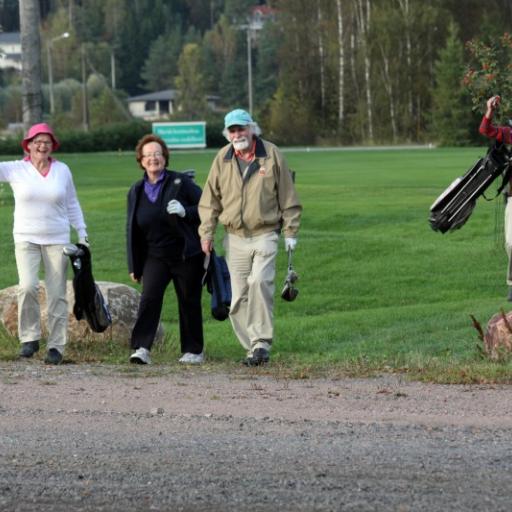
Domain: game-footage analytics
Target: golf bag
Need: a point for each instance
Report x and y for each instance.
(89, 302)
(454, 206)
(218, 284)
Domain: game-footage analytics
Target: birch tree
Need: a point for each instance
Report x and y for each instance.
(404, 7)
(321, 55)
(390, 63)
(363, 19)
(341, 68)
(30, 62)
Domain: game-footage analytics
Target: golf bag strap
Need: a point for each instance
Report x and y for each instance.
(506, 179)
(500, 146)
(504, 182)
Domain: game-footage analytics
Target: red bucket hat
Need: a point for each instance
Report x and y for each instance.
(37, 129)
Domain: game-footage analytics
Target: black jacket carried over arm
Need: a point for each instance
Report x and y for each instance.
(177, 186)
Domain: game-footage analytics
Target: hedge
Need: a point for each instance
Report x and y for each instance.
(112, 137)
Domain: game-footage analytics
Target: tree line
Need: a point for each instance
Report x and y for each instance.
(323, 71)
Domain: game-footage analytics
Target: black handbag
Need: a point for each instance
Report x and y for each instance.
(454, 206)
(218, 284)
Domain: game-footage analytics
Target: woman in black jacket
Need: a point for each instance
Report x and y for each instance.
(163, 246)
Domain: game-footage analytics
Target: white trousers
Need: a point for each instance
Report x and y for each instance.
(28, 261)
(252, 266)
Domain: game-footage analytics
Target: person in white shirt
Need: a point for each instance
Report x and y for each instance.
(45, 206)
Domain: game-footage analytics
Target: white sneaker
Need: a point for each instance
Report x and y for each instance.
(140, 356)
(189, 358)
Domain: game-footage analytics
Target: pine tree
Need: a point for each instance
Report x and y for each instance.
(161, 66)
(451, 113)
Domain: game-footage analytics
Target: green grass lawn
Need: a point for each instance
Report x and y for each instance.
(379, 290)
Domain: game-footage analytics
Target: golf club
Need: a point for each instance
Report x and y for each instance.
(289, 292)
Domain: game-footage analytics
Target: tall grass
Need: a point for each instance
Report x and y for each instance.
(379, 289)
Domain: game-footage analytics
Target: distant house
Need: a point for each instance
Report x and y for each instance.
(10, 50)
(160, 104)
(259, 15)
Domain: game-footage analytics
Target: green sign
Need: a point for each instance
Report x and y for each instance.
(182, 135)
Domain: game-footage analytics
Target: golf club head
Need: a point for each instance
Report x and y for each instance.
(191, 173)
(71, 250)
(289, 293)
(292, 277)
(75, 254)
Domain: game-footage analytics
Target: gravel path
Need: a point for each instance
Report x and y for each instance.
(94, 438)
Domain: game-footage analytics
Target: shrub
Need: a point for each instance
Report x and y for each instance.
(111, 137)
(490, 72)
(10, 146)
(214, 127)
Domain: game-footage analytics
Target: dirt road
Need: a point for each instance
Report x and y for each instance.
(92, 438)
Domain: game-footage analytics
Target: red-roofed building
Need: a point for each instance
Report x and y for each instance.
(259, 15)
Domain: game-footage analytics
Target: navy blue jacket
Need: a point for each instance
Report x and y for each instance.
(177, 186)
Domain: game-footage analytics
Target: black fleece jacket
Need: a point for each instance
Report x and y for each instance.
(177, 186)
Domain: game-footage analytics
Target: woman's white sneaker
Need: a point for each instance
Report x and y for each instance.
(189, 358)
(140, 356)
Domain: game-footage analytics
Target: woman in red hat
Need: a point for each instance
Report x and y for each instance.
(46, 205)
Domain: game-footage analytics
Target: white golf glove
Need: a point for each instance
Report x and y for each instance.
(290, 244)
(84, 241)
(175, 207)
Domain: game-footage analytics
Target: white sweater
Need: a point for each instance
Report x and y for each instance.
(44, 206)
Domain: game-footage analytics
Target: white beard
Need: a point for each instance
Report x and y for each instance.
(241, 144)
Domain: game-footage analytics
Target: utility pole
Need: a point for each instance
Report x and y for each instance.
(113, 68)
(49, 48)
(249, 68)
(251, 27)
(85, 103)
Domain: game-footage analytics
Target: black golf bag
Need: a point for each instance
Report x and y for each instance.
(89, 302)
(218, 284)
(453, 207)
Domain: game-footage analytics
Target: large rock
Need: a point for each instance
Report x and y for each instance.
(122, 300)
(497, 339)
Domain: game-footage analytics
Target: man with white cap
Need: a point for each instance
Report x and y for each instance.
(250, 191)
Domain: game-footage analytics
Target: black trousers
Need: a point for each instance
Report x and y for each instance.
(156, 276)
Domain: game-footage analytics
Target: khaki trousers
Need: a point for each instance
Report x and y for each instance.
(28, 261)
(508, 239)
(252, 266)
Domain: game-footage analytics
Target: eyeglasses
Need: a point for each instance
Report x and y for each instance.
(156, 154)
(42, 142)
